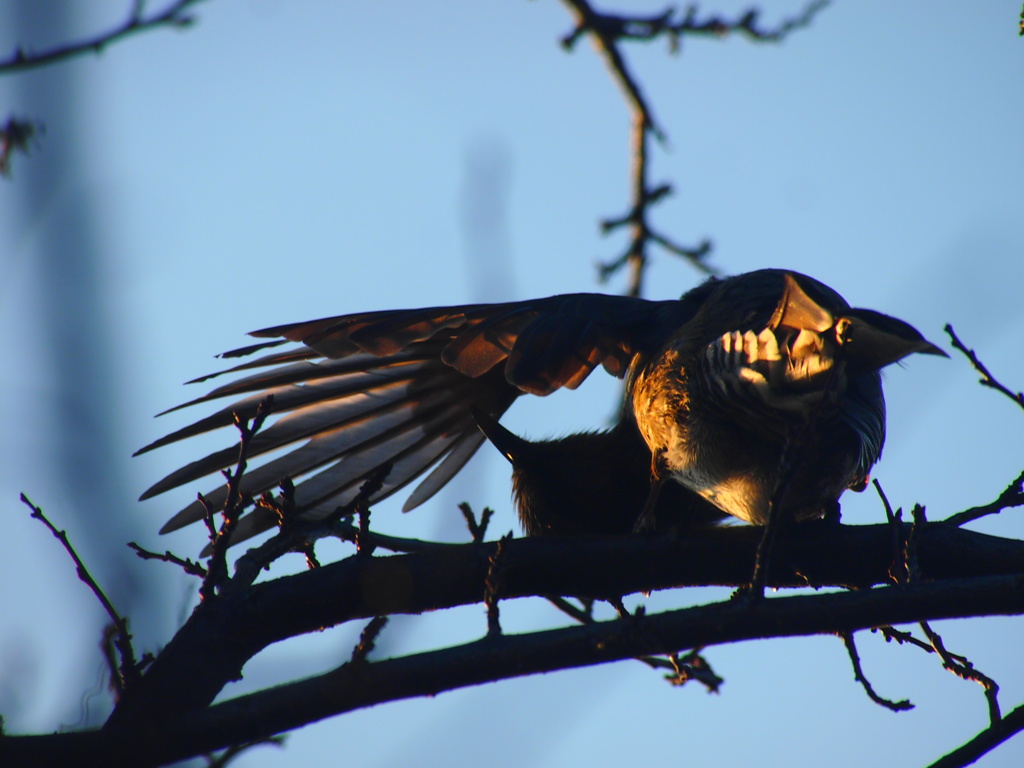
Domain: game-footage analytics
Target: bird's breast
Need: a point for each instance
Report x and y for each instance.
(717, 416)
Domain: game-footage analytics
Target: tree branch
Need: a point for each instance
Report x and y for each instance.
(984, 742)
(497, 657)
(173, 16)
(1012, 496)
(607, 30)
(223, 634)
(127, 670)
(860, 677)
(987, 379)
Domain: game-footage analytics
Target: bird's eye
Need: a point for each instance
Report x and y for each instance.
(844, 330)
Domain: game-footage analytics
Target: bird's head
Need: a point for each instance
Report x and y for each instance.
(867, 340)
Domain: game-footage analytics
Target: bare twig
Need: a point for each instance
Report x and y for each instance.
(298, 534)
(607, 31)
(236, 501)
(623, 611)
(493, 584)
(190, 567)
(15, 136)
(889, 514)
(367, 639)
(965, 670)
(584, 615)
(984, 742)
(174, 15)
(913, 565)
(360, 507)
(283, 507)
(958, 665)
(476, 530)
(898, 561)
(692, 666)
(682, 669)
(858, 675)
(648, 28)
(1012, 496)
(987, 379)
(127, 670)
(226, 757)
(901, 637)
(348, 532)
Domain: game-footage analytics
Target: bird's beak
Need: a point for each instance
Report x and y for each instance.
(871, 340)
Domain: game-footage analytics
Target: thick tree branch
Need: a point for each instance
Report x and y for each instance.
(496, 657)
(984, 742)
(507, 656)
(223, 634)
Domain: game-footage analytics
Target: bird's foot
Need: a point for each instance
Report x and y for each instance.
(645, 522)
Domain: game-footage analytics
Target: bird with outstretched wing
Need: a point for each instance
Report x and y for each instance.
(718, 384)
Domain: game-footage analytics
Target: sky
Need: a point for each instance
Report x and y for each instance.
(279, 162)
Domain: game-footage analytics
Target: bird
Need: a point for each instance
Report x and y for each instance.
(718, 383)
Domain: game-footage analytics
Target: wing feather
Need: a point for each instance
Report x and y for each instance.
(399, 387)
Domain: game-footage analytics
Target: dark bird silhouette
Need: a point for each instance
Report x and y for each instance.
(718, 384)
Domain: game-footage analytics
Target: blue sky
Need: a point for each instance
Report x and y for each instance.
(279, 162)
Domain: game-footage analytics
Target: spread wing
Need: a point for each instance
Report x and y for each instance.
(357, 391)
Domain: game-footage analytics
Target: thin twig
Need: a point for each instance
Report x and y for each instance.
(965, 670)
(607, 31)
(692, 666)
(283, 507)
(859, 676)
(898, 559)
(368, 638)
(892, 634)
(127, 670)
(16, 136)
(1012, 496)
(913, 565)
(299, 534)
(360, 507)
(583, 615)
(647, 28)
(476, 530)
(226, 757)
(236, 501)
(492, 585)
(348, 532)
(172, 16)
(987, 379)
(605, 36)
(188, 566)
